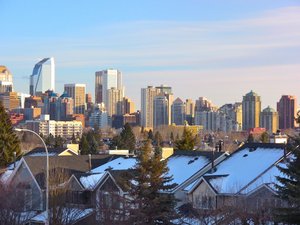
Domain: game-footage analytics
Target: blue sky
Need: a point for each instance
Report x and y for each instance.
(218, 49)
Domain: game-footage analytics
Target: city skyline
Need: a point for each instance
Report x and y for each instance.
(221, 54)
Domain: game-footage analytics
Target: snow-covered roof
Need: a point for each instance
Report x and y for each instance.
(121, 163)
(182, 167)
(89, 181)
(242, 167)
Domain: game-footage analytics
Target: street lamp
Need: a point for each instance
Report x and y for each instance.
(47, 170)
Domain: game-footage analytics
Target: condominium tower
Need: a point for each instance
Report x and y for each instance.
(6, 83)
(105, 80)
(251, 107)
(77, 92)
(269, 119)
(287, 110)
(147, 97)
(43, 77)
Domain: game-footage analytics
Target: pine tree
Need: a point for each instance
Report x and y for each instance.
(289, 187)
(158, 139)
(9, 142)
(150, 135)
(187, 141)
(154, 205)
(84, 145)
(126, 139)
(264, 138)
(250, 138)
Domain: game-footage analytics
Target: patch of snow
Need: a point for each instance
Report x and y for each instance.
(243, 167)
(191, 185)
(182, 167)
(120, 163)
(90, 182)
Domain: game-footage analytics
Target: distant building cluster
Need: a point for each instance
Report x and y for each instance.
(111, 108)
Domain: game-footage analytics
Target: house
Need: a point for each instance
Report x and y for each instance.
(245, 180)
(61, 151)
(28, 177)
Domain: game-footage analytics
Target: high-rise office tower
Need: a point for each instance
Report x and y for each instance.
(6, 83)
(127, 106)
(114, 97)
(147, 96)
(77, 92)
(234, 113)
(178, 112)
(160, 110)
(167, 91)
(43, 77)
(203, 104)
(104, 80)
(287, 110)
(164, 89)
(251, 107)
(189, 111)
(269, 119)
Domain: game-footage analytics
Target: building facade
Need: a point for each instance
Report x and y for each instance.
(147, 97)
(160, 111)
(269, 120)
(251, 107)
(105, 80)
(178, 112)
(287, 110)
(43, 77)
(6, 82)
(77, 92)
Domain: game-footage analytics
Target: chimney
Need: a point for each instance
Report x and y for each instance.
(90, 162)
(213, 159)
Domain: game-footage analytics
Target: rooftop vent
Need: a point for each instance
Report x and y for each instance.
(245, 155)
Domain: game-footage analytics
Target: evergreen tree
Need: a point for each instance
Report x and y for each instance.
(50, 140)
(187, 141)
(150, 135)
(172, 136)
(84, 145)
(158, 139)
(93, 144)
(264, 138)
(289, 187)
(126, 139)
(58, 142)
(250, 138)
(149, 192)
(9, 142)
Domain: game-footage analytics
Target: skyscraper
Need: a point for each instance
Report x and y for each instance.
(105, 80)
(114, 97)
(189, 111)
(6, 83)
(160, 111)
(251, 107)
(178, 112)
(43, 77)
(77, 92)
(147, 96)
(269, 119)
(287, 110)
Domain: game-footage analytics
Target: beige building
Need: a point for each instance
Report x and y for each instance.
(114, 99)
(65, 129)
(77, 92)
(147, 97)
(10, 100)
(128, 106)
(251, 107)
(6, 82)
(269, 120)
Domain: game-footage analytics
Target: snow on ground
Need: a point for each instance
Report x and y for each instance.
(90, 181)
(182, 167)
(243, 167)
(121, 163)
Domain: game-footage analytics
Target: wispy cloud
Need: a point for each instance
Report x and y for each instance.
(240, 53)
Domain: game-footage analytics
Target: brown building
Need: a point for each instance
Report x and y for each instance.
(10, 100)
(287, 110)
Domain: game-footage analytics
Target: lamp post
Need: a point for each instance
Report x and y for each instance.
(47, 170)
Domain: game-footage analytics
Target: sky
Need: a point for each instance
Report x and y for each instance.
(217, 49)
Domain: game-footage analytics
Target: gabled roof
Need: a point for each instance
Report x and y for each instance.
(40, 151)
(69, 164)
(244, 166)
(88, 181)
